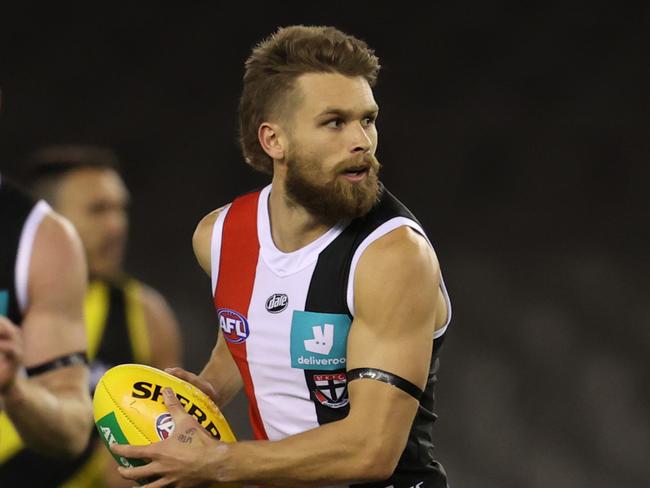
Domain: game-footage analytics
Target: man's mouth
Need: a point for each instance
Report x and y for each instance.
(356, 173)
(356, 170)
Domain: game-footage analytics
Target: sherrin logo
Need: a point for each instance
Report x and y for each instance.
(233, 324)
(277, 302)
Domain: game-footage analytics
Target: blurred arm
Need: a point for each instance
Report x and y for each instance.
(163, 328)
(52, 411)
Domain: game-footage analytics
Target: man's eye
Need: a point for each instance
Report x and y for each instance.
(334, 123)
(366, 121)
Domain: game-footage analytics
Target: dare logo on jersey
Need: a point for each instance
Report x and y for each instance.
(164, 426)
(233, 324)
(277, 302)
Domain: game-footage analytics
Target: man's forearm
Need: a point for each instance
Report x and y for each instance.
(333, 453)
(54, 424)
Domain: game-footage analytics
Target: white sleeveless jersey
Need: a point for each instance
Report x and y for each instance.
(286, 318)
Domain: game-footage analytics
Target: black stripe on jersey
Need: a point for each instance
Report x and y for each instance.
(15, 207)
(328, 294)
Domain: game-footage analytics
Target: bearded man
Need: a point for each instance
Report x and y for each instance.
(329, 295)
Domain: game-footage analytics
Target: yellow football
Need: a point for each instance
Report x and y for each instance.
(129, 409)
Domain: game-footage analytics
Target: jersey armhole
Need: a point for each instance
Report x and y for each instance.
(381, 231)
(215, 246)
(24, 254)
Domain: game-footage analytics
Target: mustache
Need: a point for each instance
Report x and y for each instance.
(370, 161)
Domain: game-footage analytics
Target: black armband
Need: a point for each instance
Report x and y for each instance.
(386, 377)
(60, 362)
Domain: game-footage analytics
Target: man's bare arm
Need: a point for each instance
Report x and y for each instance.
(52, 411)
(220, 372)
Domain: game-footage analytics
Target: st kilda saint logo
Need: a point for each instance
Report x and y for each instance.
(277, 302)
(331, 389)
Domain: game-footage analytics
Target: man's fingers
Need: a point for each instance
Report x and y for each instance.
(173, 405)
(139, 472)
(6, 324)
(9, 350)
(193, 379)
(181, 373)
(159, 483)
(134, 452)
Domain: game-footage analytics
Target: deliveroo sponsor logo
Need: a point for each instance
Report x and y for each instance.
(319, 340)
(4, 303)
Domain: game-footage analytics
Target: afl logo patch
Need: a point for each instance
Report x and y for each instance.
(234, 325)
(164, 426)
(277, 302)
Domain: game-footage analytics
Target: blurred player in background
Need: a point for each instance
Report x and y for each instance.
(127, 321)
(43, 372)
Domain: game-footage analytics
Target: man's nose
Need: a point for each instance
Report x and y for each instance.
(361, 141)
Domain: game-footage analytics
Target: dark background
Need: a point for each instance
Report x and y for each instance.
(516, 133)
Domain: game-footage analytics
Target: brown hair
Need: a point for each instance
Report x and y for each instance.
(276, 62)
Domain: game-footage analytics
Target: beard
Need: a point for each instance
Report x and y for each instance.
(329, 196)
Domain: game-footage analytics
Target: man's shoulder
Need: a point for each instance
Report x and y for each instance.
(149, 297)
(202, 237)
(204, 227)
(152, 302)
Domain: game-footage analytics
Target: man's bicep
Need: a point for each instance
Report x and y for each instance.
(53, 325)
(396, 300)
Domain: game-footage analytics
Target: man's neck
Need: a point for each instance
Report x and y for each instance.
(292, 226)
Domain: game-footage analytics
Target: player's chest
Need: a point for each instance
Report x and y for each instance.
(279, 321)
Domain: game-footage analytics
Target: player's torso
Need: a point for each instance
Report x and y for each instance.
(286, 316)
(294, 353)
(289, 346)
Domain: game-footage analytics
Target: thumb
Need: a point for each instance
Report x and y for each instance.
(171, 402)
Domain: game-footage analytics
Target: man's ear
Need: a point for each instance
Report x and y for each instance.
(271, 140)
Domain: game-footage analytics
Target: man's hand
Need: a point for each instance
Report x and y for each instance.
(195, 380)
(184, 460)
(11, 354)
